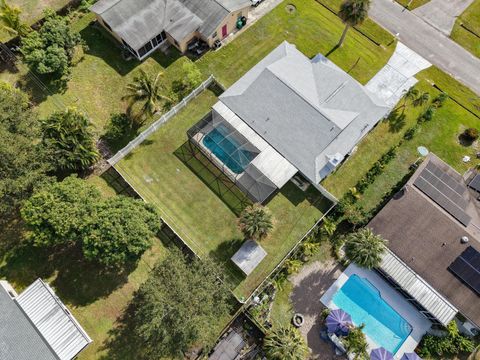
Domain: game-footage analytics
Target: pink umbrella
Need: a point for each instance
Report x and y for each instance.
(410, 356)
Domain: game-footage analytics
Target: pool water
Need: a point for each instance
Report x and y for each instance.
(363, 302)
(227, 150)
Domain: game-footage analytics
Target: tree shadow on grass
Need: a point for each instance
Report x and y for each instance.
(222, 256)
(396, 121)
(77, 281)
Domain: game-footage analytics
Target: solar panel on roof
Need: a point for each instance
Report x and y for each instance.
(445, 190)
(467, 268)
(443, 201)
(475, 183)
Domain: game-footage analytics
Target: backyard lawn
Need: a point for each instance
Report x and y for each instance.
(468, 35)
(199, 207)
(440, 136)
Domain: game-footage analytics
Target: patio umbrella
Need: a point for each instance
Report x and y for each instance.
(381, 354)
(338, 321)
(410, 356)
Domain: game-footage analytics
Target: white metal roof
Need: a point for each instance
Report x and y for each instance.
(53, 320)
(418, 288)
(249, 256)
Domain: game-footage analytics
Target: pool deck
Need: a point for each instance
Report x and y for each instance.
(419, 323)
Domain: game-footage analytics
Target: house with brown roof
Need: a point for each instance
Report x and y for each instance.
(433, 230)
(142, 26)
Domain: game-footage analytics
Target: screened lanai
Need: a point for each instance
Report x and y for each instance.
(240, 153)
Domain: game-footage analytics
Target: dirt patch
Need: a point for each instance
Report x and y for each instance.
(308, 287)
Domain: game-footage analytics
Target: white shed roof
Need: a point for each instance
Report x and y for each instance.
(53, 320)
(418, 288)
(249, 256)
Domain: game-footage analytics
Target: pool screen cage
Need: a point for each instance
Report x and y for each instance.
(237, 153)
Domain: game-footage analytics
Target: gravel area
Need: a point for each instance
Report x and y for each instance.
(308, 286)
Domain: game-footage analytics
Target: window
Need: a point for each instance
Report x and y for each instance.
(145, 49)
(214, 35)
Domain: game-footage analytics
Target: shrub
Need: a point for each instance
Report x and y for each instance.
(285, 343)
(50, 49)
(356, 343)
(440, 100)
(410, 133)
(365, 248)
(427, 115)
(120, 125)
(471, 134)
(445, 346)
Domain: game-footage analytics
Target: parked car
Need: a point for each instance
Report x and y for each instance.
(255, 3)
(192, 45)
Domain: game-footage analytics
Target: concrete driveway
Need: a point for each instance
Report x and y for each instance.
(442, 14)
(427, 41)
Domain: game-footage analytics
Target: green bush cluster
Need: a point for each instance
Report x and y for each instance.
(451, 344)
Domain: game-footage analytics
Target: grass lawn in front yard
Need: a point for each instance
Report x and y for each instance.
(199, 207)
(468, 35)
(440, 135)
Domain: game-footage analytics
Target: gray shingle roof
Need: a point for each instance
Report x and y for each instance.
(308, 110)
(138, 21)
(19, 340)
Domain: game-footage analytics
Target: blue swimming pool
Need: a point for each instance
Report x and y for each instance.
(364, 303)
(227, 149)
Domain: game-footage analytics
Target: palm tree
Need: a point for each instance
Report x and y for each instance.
(356, 343)
(411, 94)
(365, 248)
(10, 19)
(352, 13)
(285, 343)
(329, 226)
(68, 137)
(255, 222)
(421, 99)
(148, 90)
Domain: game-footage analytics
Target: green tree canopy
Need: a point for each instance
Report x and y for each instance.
(68, 136)
(120, 231)
(255, 222)
(365, 248)
(110, 231)
(59, 212)
(10, 19)
(50, 50)
(352, 13)
(179, 306)
(24, 161)
(285, 343)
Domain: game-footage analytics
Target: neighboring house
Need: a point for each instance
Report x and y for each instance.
(144, 25)
(36, 325)
(433, 230)
(289, 114)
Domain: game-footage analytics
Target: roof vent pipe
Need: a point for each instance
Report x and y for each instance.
(464, 240)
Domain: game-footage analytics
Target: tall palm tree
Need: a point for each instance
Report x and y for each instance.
(285, 343)
(255, 222)
(365, 248)
(148, 90)
(352, 13)
(10, 19)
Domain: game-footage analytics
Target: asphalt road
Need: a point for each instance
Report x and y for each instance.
(427, 41)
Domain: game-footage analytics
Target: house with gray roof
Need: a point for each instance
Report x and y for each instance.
(37, 325)
(288, 115)
(142, 26)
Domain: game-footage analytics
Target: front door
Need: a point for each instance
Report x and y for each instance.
(224, 31)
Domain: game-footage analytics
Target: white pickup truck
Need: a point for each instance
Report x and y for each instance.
(256, 2)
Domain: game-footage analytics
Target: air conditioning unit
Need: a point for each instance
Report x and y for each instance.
(470, 329)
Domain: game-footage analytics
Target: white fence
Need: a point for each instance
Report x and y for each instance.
(163, 119)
